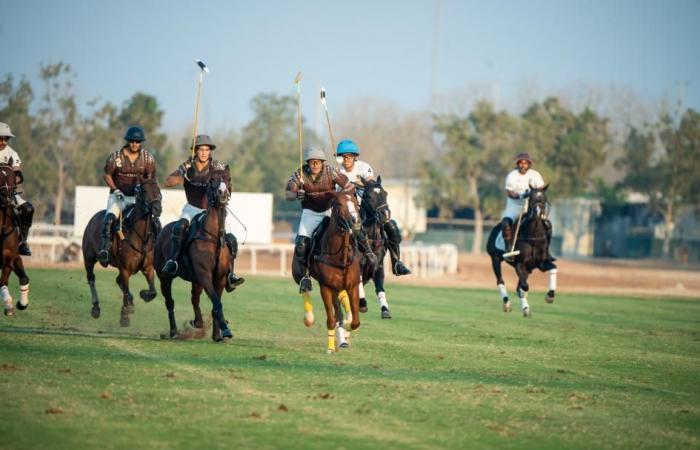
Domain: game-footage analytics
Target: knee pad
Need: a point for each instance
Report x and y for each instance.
(232, 243)
(301, 245)
(392, 231)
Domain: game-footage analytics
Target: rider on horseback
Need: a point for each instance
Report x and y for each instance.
(518, 183)
(315, 188)
(124, 170)
(356, 171)
(24, 210)
(195, 174)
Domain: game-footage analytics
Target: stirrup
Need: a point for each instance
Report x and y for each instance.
(233, 281)
(305, 285)
(400, 269)
(170, 267)
(24, 249)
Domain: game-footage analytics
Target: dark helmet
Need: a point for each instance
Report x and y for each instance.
(523, 156)
(135, 133)
(204, 139)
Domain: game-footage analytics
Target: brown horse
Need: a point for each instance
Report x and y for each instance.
(335, 264)
(130, 254)
(204, 260)
(9, 242)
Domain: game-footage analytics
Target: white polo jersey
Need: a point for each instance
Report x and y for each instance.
(359, 169)
(519, 183)
(8, 153)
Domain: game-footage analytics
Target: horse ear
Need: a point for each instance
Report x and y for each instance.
(379, 179)
(546, 186)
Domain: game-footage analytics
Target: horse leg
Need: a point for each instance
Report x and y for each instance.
(355, 307)
(166, 284)
(363, 300)
(195, 296)
(127, 298)
(18, 267)
(338, 300)
(523, 288)
(344, 301)
(381, 293)
(90, 270)
(308, 309)
(549, 298)
(7, 298)
(150, 294)
(496, 265)
(220, 330)
(327, 296)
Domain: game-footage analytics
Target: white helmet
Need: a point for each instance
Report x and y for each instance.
(314, 152)
(5, 130)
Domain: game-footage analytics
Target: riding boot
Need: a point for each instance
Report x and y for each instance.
(103, 255)
(393, 237)
(302, 246)
(548, 231)
(507, 230)
(232, 281)
(366, 249)
(26, 214)
(179, 231)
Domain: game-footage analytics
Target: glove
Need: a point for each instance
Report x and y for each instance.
(301, 194)
(119, 195)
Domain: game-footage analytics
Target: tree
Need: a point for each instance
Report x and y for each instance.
(661, 161)
(470, 170)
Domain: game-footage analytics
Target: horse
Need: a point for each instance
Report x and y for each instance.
(531, 243)
(204, 260)
(131, 250)
(335, 264)
(375, 212)
(9, 243)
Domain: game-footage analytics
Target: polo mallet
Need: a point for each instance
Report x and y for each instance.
(328, 121)
(202, 69)
(297, 81)
(513, 251)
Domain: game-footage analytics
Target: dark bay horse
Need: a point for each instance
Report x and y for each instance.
(9, 242)
(532, 244)
(130, 254)
(204, 260)
(375, 212)
(335, 264)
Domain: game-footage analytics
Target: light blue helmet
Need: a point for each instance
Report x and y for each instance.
(347, 146)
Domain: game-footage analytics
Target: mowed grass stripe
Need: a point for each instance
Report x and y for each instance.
(450, 370)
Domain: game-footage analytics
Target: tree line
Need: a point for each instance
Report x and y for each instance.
(460, 158)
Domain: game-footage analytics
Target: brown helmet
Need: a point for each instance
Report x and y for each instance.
(523, 156)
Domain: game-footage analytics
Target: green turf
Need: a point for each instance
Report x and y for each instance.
(450, 370)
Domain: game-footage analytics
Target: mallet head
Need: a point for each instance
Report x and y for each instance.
(323, 96)
(202, 66)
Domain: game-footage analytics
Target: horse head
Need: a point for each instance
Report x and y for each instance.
(218, 191)
(149, 198)
(7, 185)
(538, 206)
(374, 203)
(347, 211)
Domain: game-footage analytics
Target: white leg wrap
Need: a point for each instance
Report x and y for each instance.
(6, 294)
(362, 290)
(523, 303)
(340, 336)
(382, 299)
(503, 291)
(24, 295)
(553, 280)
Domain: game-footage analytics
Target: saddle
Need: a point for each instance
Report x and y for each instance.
(117, 228)
(316, 239)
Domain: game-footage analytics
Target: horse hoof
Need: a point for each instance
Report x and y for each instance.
(95, 312)
(386, 314)
(506, 306)
(147, 296)
(309, 319)
(363, 305)
(549, 298)
(22, 307)
(195, 324)
(9, 312)
(526, 312)
(330, 351)
(124, 320)
(226, 334)
(344, 345)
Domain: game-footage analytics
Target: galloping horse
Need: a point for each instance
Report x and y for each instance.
(335, 264)
(375, 212)
(9, 242)
(131, 250)
(204, 260)
(532, 244)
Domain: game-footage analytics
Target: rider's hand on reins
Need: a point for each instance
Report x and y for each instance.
(119, 195)
(301, 194)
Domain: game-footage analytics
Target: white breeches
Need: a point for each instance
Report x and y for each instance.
(310, 220)
(189, 212)
(19, 200)
(511, 211)
(116, 207)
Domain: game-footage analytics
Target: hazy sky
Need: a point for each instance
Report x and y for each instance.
(355, 49)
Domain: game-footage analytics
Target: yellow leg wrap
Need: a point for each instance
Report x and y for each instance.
(331, 341)
(344, 300)
(308, 309)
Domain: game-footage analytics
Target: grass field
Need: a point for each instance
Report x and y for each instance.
(450, 370)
